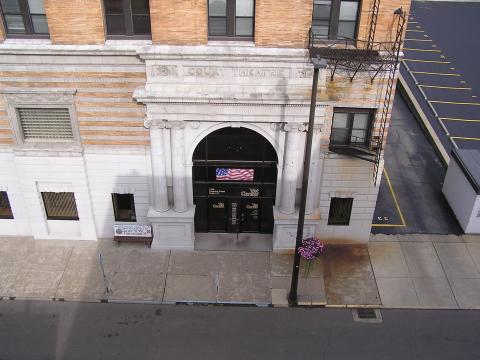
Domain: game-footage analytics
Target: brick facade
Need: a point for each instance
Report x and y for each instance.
(282, 23)
(179, 22)
(2, 30)
(75, 22)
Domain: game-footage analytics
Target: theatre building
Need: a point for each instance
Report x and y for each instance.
(191, 116)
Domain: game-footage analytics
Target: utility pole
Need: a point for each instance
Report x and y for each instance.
(292, 296)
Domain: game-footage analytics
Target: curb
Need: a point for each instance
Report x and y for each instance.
(445, 158)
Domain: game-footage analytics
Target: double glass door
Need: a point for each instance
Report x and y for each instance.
(234, 215)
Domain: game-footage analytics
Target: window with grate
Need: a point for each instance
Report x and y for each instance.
(124, 207)
(24, 17)
(60, 205)
(335, 19)
(5, 209)
(45, 123)
(128, 18)
(340, 211)
(231, 19)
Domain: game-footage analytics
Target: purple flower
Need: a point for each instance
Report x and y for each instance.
(311, 248)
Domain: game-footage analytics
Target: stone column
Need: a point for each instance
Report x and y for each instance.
(291, 166)
(178, 166)
(157, 152)
(315, 175)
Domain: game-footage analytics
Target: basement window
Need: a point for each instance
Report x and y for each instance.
(60, 205)
(124, 207)
(340, 211)
(231, 19)
(24, 17)
(5, 209)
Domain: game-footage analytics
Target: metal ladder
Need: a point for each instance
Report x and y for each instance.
(389, 92)
(373, 23)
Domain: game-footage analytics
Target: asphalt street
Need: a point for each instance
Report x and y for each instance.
(53, 330)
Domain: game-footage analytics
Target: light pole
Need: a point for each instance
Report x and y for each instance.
(292, 296)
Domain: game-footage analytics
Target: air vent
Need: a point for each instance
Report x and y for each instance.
(367, 315)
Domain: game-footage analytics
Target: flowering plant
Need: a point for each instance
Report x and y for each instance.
(310, 249)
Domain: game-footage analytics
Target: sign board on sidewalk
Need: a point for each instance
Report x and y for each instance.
(133, 230)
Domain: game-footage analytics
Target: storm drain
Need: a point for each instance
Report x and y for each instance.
(367, 315)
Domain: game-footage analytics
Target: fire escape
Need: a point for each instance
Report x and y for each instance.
(354, 57)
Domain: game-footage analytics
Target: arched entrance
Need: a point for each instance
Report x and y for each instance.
(234, 182)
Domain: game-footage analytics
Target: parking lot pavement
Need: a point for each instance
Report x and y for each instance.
(410, 198)
(441, 69)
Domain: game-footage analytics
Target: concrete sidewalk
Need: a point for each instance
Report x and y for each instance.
(427, 271)
(400, 271)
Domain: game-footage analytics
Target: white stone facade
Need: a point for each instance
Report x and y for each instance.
(189, 93)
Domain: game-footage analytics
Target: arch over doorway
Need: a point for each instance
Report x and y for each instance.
(234, 177)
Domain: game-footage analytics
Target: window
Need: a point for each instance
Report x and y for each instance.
(128, 18)
(45, 123)
(340, 211)
(60, 205)
(124, 207)
(5, 209)
(231, 19)
(24, 17)
(351, 127)
(333, 19)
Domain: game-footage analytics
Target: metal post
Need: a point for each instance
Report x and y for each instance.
(292, 296)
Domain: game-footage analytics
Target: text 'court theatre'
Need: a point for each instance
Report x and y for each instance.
(191, 116)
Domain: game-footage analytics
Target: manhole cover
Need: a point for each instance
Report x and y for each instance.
(367, 315)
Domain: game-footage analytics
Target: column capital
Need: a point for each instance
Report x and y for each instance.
(292, 127)
(156, 124)
(175, 124)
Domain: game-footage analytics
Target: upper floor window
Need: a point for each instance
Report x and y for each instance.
(351, 127)
(333, 19)
(24, 17)
(128, 18)
(45, 124)
(231, 19)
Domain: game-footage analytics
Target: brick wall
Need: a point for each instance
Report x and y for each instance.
(179, 22)
(75, 21)
(282, 23)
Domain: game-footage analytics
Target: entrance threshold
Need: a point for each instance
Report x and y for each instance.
(233, 242)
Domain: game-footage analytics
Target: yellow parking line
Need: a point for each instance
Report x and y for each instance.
(445, 87)
(431, 73)
(457, 119)
(418, 40)
(454, 103)
(423, 50)
(388, 225)
(464, 138)
(428, 61)
(389, 183)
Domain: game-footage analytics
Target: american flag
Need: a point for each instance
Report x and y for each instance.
(234, 174)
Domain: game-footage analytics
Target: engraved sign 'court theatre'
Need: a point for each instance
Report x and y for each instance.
(117, 112)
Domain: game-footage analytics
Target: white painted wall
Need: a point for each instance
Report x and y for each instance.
(9, 182)
(461, 197)
(117, 171)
